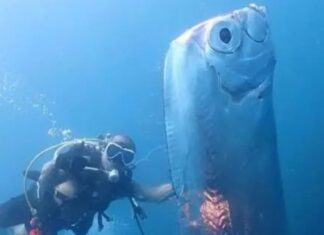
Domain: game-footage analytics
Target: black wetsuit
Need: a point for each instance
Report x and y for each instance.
(16, 211)
(77, 214)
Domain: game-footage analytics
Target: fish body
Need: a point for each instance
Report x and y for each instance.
(220, 126)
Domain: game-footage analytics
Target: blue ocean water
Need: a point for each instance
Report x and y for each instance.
(82, 68)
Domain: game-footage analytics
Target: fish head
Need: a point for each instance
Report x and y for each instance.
(237, 47)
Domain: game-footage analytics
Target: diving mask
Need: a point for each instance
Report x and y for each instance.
(114, 150)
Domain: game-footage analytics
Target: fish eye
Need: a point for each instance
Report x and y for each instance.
(225, 35)
(256, 25)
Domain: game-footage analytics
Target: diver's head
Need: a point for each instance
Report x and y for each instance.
(119, 152)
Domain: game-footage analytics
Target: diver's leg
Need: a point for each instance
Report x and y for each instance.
(14, 211)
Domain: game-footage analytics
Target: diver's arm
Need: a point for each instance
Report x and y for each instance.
(54, 171)
(153, 194)
(47, 180)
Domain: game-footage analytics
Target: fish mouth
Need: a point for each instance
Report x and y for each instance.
(239, 87)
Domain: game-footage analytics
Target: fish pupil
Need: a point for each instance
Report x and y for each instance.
(225, 35)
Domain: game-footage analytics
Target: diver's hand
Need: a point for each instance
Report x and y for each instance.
(73, 164)
(166, 191)
(72, 159)
(78, 163)
(153, 194)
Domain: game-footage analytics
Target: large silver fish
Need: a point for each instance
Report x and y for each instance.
(220, 126)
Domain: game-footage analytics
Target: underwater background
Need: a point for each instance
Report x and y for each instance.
(78, 68)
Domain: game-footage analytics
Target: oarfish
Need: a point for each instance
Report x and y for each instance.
(220, 126)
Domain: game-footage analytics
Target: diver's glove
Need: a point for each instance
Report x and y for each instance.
(73, 164)
(73, 160)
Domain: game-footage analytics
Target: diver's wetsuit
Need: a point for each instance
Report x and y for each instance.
(93, 190)
(76, 215)
(95, 193)
(15, 211)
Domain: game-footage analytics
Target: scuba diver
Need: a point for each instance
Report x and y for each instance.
(81, 180)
